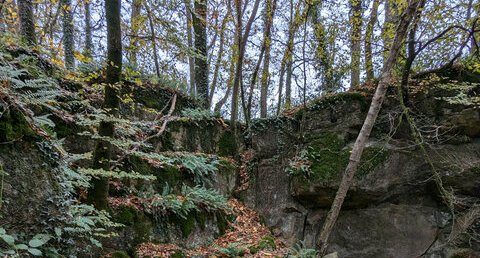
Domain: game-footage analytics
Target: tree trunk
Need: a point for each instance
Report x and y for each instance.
(191, 61)
(253, 82)
(135, 27)
(271, 5)
(386, 79)
(219, 57)
(98, 194)
(68, 31)
(369, 37)
(201, 66)
(154, 39)
(242, 43)
(27, 24)
(88, 52)
(355, 41)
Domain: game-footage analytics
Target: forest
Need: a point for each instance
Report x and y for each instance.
(240, 128)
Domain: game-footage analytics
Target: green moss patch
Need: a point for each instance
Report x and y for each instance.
(327, 157)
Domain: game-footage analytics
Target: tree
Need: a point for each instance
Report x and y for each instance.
(355, 41)
(191, 61)
(27, 24)
(98, 194)
(88, 51)
(153, 38)
(369, 37)
(218, 63)
(241, 41)
(386, 79)
(135, 24)
(271, 5)
(68, 31)
(201, 66)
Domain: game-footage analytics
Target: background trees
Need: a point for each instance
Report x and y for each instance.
(245, 58)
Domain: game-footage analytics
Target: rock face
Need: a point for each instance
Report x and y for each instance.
(393, 208)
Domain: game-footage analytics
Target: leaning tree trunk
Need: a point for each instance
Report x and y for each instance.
(355, 41)
(27, 24)
(68, 30)
(386, 79)
(201, 66)
(98, 194)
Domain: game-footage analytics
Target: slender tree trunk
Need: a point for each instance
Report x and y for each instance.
(253, 82)
(27, 24)
(296, 19)
(191, 61)
(242, 43)
(271, 5)
(201, 66)
(355, 41)
(280, 88)
(135, 24)
(219, 57)
(88, 52)
(469, 16)
(385, 79)
(98, 194)
(154, 39)
(369, 37)
(68, 37)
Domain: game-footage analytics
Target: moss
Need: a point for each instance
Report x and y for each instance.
(120, 254)
(222, 222)
(125, 215)
(188, 225)
(13, 126)
(143, 228)
(178, 254)
(267, 242)
(332, 100)
(140, 223)
(227, 145)
(329, 157)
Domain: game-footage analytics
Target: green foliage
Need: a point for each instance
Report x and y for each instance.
(201, 167)
(267, 242)
(192, 199)
(464, 93)
(232, 250)
(89, 224)
(199, 114)
(300, 251)
(16, 249)
(115, 174)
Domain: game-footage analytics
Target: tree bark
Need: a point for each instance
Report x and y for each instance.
(88, 51)
(27, 24)
(68, 34)
(386, 79)
(191, 60)
(241, 45)
(154, 39)
(134, 29)
(98, 194)
(355, 41)
(369, 37)
(201, 65)
(219, 57)
(271, 5)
